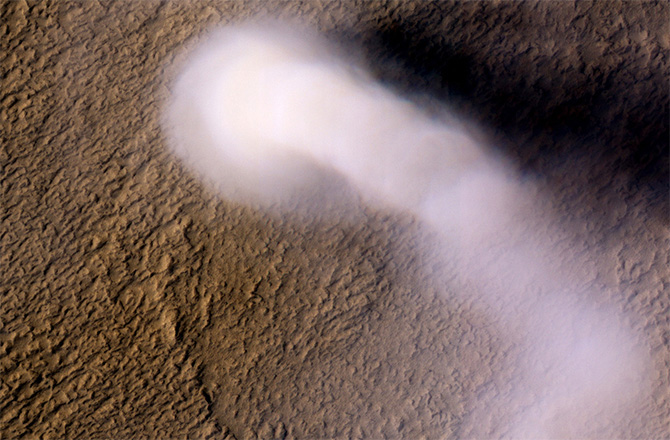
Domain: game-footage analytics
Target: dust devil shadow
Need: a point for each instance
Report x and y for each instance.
(611, 123)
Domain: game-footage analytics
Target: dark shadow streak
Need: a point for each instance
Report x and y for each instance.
(599, 118)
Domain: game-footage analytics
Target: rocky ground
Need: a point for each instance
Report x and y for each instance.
(134, 303)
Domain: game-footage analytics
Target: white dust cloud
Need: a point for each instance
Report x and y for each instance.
(255, 106)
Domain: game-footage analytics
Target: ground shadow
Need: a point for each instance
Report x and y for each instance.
(584, 104)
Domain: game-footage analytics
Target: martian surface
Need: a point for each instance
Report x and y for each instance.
(476, 245)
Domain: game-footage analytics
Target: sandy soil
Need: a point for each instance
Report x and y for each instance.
(134, 303)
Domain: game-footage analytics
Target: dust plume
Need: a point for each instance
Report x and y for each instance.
(258, 110)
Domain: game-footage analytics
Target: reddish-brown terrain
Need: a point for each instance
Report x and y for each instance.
(135, 303)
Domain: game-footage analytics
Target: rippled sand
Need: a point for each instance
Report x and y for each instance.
(136, 303)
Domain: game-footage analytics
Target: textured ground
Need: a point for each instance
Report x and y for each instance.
(133, 303)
